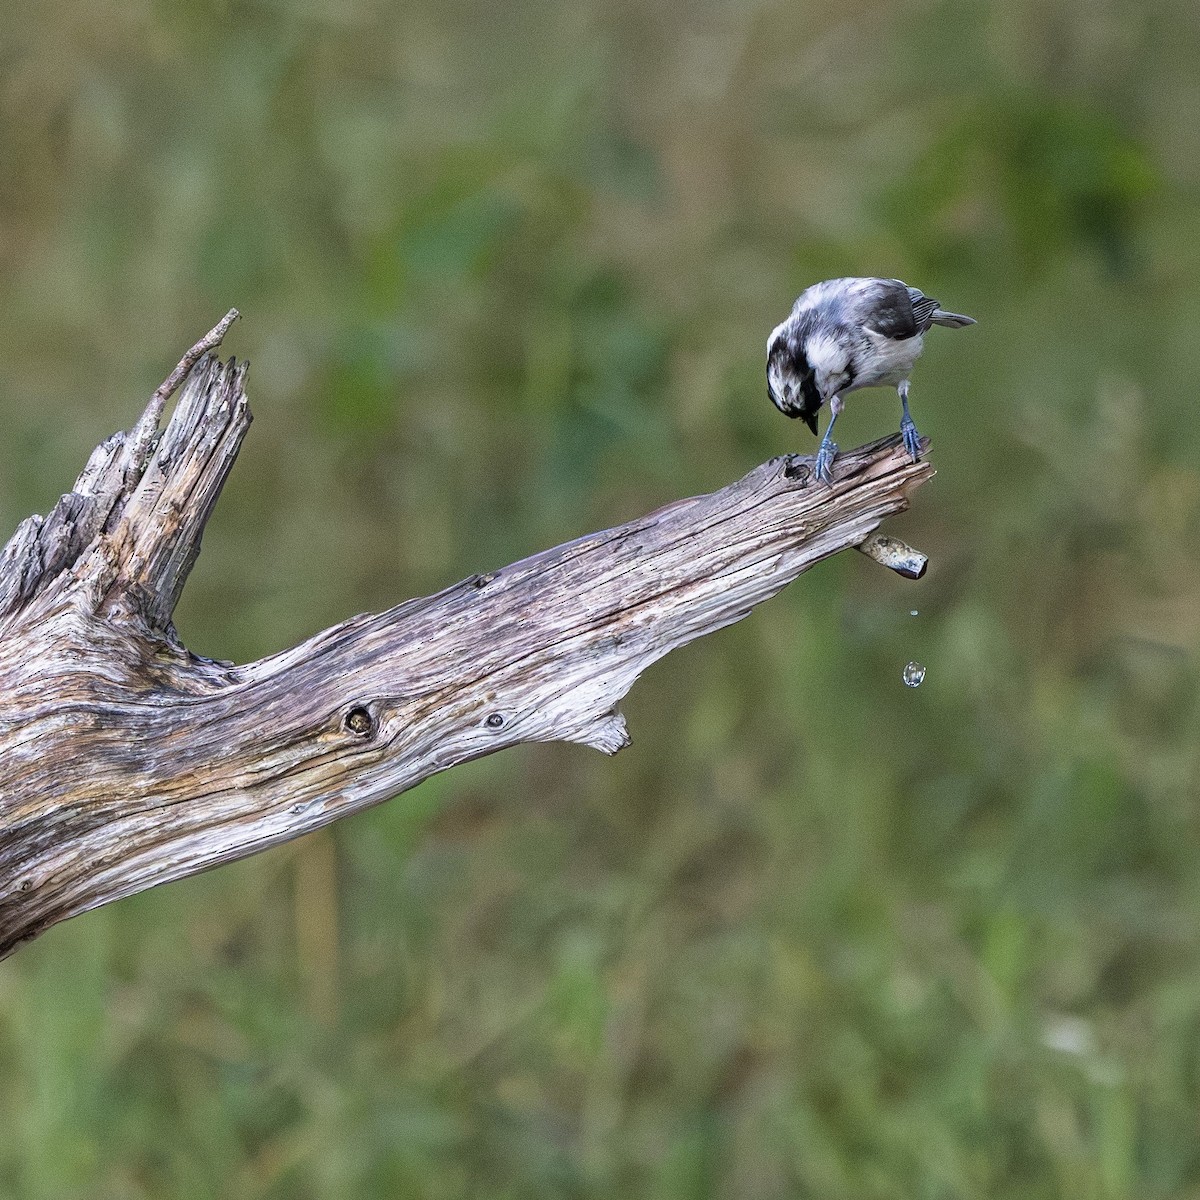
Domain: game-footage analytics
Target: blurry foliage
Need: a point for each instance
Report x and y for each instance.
(507, 274)
(1031, 177)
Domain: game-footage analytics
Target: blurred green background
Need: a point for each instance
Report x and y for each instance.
(507, 273)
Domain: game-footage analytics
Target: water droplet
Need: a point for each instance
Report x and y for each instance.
(912, 612)
(913, 675)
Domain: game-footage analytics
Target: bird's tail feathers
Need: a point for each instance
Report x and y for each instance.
(954, 320)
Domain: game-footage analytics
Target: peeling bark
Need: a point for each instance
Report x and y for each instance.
(126, 761)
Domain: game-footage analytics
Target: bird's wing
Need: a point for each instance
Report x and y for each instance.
(887, 308)
(897, 311)
(923, 308)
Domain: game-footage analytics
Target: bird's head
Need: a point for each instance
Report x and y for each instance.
(791, 383)
(779, 383)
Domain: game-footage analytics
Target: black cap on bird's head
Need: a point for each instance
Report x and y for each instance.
(792, 382)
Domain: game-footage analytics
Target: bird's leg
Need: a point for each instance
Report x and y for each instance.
(908, 431)
(827, 451)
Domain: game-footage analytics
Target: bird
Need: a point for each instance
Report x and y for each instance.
(846, 334)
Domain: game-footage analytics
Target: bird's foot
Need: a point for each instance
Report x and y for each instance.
(826, 453)
(912, 439)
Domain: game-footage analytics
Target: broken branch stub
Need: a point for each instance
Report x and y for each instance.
(126, 762)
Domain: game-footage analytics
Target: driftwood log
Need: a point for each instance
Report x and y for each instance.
(126, 761)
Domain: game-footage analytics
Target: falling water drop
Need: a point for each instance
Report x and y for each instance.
(913, 674)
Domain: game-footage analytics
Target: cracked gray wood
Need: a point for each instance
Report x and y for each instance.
(126, 761)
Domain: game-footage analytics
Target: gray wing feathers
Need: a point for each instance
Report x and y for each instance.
(926, 312)
(888, 309)
(924, 307)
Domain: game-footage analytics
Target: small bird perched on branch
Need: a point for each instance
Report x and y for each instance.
(846, 334)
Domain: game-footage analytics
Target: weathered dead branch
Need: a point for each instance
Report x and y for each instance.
(126, 761)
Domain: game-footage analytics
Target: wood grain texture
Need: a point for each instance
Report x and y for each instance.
(126, 761)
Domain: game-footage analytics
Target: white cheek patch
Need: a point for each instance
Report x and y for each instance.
(825, 355)
(830, 362)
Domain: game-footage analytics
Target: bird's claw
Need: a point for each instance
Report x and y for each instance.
(912, 439)
(823, 469)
